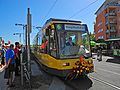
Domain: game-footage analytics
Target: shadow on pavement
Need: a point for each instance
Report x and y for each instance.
(81, 83)
(114, 60)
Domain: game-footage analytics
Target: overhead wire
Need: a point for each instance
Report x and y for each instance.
(82, 9)
(53, 5)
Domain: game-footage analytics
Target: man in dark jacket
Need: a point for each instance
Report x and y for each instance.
(99, 53)
(17, 58)
(70, 43)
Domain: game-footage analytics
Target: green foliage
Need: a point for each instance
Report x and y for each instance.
(92, 37)
(100, 41)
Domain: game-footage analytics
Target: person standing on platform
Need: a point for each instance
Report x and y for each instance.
(17, 58)
(3, 55)
(10, 65)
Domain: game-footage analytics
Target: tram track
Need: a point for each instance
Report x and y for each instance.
(117, 66)
(112, 72)
(105, 82)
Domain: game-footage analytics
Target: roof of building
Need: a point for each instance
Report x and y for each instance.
(106, 3)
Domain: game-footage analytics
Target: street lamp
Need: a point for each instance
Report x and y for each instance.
(24, 27)
(19, 36)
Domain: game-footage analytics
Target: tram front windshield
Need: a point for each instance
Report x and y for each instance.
(73, 44)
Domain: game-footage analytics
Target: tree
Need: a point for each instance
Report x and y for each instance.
(92, 37)
(100, 41)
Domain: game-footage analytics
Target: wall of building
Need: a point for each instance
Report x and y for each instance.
(100, 26)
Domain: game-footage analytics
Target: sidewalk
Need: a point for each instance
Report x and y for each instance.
(38, 82)
(3, 85)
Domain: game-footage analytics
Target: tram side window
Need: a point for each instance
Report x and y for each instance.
(52, 43)
(44, 45)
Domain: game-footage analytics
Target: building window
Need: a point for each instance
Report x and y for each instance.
(112, 27)
(99, 23)
(100, 30)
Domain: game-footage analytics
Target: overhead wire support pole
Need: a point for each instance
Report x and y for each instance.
(28, 39)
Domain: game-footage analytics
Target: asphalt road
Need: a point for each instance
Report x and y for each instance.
(105, 77)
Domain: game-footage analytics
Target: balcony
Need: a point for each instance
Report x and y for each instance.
(110, 14)
(113, 4)
(113, 22)
(113, 31)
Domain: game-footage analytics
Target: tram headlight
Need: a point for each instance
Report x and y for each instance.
(66, 64)
(81, 70)
(90, 61)
(78, 71)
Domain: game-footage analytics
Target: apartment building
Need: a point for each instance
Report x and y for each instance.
(107, 25)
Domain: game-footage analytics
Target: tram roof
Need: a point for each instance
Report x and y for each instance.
(54, 20)
(62, 20)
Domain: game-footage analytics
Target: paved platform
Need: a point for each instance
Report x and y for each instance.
(3, 85)
(2, 68)
(37, 80)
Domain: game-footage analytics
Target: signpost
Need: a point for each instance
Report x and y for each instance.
(28, 38)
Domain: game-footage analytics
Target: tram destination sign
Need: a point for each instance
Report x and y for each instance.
(74, 27)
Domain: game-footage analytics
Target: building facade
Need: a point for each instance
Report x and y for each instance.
(107, 25)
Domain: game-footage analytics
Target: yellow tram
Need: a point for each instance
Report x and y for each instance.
(65, 48)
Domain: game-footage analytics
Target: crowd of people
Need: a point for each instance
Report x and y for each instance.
(10, 57)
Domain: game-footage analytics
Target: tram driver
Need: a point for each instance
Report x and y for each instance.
(70, 43)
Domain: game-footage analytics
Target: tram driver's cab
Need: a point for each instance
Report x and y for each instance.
(67, 40)
(73, 43)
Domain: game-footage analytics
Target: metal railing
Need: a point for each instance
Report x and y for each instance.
(24, 71)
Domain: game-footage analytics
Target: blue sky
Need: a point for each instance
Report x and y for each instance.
(15, 11)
